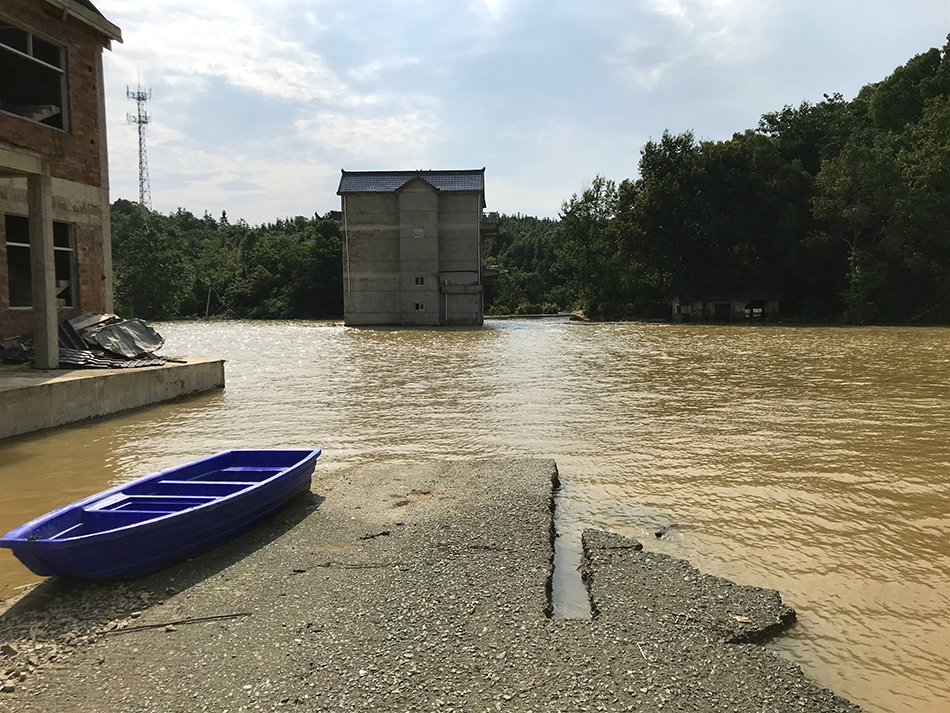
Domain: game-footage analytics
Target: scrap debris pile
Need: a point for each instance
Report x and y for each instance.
(102, 341)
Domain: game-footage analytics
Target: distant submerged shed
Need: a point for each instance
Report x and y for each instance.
(412, 251)
(727, 308)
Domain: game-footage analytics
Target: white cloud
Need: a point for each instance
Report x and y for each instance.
(190, 50)
(366, 72)
(671, 8)
(721, 32)
(406, 135)
(376, 68)
(254, 187)
(492, 10)
(259, 104)
(183, 42)
(550, 137)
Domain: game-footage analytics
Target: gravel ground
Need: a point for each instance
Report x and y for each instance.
(404, 588)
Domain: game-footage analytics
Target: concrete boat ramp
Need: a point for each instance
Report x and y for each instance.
(405, 588)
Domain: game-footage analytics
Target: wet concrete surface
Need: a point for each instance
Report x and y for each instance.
(404, 587)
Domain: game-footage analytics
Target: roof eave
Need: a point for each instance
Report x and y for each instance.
(88, 17)
(421, 175)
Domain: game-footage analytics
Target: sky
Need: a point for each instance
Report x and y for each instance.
(257, 105)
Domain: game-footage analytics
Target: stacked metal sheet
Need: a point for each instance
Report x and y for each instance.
(102, 341)
(89, 358)
(130, 338)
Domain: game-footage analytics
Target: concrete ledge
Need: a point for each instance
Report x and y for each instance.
(32, 400)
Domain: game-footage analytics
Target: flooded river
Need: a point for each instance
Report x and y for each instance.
(815, 461)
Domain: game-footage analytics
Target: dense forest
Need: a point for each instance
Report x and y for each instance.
(180, 265)
(840, 210)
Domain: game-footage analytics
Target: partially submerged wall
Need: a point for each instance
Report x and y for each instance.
(32, 400)
(371, 263)
(419, 245)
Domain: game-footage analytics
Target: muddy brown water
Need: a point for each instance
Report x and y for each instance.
(815, 461)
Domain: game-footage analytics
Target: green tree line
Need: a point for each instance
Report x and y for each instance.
(179, 265)
(839, 209)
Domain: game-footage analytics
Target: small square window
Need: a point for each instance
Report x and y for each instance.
(418, 233)
(420, 306)
(420, 281)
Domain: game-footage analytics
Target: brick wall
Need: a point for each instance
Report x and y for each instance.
(89, 268)
(74, 154)
(73, 203)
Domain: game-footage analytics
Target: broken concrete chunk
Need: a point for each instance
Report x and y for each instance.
(624, 579)
(598, 540)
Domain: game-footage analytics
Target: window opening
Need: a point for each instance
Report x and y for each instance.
(18, 262)
(32, 77)
(64, 255)
(420, 306)
(420, 281)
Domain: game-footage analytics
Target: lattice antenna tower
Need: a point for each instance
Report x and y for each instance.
(141, 118)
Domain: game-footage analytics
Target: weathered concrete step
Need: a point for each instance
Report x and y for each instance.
(33, 400)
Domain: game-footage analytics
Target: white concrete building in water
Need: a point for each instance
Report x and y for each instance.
(412, 251)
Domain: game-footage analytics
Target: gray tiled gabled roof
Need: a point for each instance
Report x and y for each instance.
(390, 181)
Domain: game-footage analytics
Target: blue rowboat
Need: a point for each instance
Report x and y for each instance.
(163, 518)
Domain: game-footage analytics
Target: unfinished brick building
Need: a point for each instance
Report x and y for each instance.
(54, 178)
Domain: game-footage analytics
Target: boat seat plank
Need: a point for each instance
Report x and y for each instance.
(242, 483)
(140, 514)
(247, 474)
(213, 488)
(154, 502)
(101, 520)
(170, 497)
(106, 503)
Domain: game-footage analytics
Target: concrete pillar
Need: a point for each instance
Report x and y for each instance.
(43, 270)
(104, 191)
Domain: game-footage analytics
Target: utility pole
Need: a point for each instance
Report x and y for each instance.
(141, 96)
